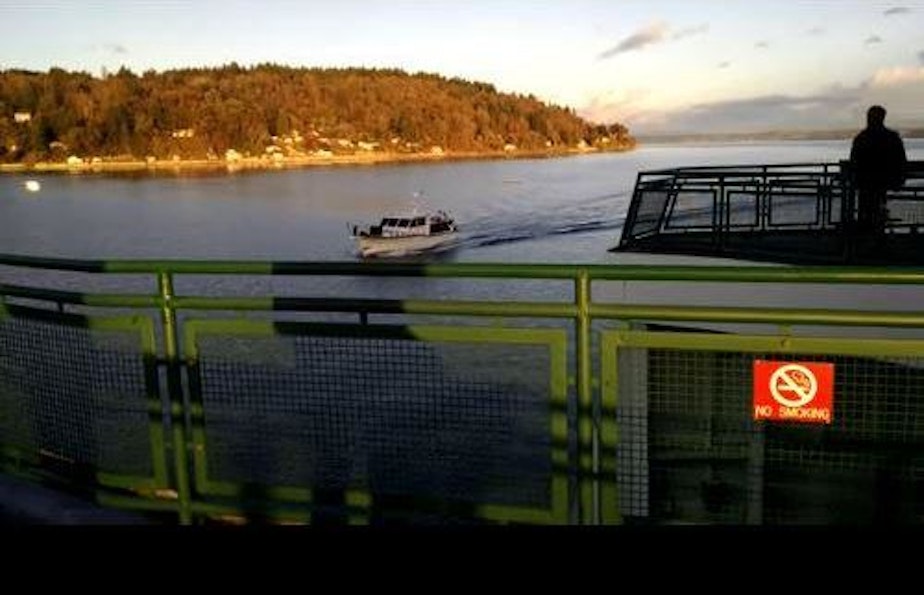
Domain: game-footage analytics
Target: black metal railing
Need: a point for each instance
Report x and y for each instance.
(742, 210)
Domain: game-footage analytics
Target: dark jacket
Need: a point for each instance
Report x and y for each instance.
(878, 159)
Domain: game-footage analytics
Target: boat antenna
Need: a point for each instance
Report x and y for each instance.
(416, 205)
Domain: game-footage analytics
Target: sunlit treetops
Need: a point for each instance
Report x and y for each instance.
(205, 112)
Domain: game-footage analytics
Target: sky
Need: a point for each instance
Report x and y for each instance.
(658, 66)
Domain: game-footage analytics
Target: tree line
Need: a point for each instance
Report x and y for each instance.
(204, 112)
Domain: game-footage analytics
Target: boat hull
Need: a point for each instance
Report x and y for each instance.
(400, 245)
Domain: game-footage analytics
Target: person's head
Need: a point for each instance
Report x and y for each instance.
(875, 116)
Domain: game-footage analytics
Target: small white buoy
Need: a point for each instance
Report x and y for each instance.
(33, 185)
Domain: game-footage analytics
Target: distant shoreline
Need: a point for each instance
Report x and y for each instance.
(262, 163)
(761, 137)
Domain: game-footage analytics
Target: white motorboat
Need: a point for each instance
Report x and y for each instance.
(405, 234)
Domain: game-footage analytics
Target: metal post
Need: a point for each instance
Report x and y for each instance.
(724, 219)
(717, 217)
(175, 392)
(848, 203)
(634, 204)
(588, 428)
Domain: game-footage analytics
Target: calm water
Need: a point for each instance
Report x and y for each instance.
(541, 210)
(567, 210)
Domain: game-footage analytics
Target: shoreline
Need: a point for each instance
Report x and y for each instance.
(267, 164)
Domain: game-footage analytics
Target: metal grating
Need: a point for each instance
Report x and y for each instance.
(703, 459)
(651, 204)
(692, 208)
(75, 396)
(906, 210)
(447, 421)
(791, 208)
(744, 208)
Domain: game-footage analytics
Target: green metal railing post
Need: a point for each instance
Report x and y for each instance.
(588, 422)
(175, 393)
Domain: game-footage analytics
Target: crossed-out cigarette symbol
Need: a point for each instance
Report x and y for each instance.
(793, 385)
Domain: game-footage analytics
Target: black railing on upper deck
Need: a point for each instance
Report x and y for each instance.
(787, 213)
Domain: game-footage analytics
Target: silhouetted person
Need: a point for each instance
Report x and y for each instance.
(878, 162)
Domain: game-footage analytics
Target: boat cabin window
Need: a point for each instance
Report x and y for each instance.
(403, 221)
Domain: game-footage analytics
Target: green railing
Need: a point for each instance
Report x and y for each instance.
(308, 405)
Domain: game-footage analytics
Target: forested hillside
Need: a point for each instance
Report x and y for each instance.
(267, 109)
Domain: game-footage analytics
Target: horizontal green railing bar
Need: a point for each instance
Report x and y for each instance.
(333, 304)
(760, 315)
(136, 503)
(86, 299)
(768, 274)
(858, 347)
(271, 511)
(64, 264)
(483, 308)
(241, 303)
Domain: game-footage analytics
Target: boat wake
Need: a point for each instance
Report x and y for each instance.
(593, 214)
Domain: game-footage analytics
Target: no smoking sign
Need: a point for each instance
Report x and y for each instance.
(793, 391)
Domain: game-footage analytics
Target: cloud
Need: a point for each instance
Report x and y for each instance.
(897, 10)
(898, 75)
(769, 112)
(617, 105)
(873, 39)
(689, 31)
(109, 48)
(762, 45)
(725, 64)
(816, 31)
(652, 34)
(900, 89)
(755, 114)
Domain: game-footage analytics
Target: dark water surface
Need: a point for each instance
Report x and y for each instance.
(536, 210)
(564, 210)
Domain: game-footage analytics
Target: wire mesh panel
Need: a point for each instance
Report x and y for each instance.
(75, 393)
(906, 210)
(787, 207)
(868, 465)
(451, 418)
(699, 428)
(692, 452)
(743, 207)
(693, 208)
(652, 203)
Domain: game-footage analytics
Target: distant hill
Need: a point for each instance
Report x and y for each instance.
(779, 135)
(202, 113)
